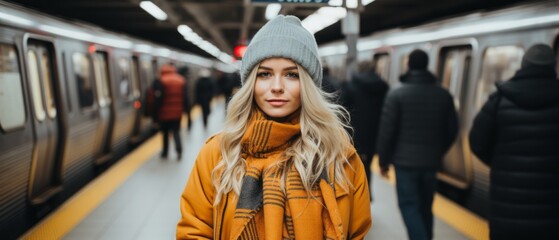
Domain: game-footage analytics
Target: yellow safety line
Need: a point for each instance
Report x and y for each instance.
(461, 219)
(74, 210)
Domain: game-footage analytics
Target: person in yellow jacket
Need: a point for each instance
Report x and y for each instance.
(283, 167)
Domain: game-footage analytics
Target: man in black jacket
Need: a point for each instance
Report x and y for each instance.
(418, 125)
(516, 133)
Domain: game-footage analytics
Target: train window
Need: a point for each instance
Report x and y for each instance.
(155, 72)
(135, 78)
(124, 83)
(47, 80)
(65, 71)
(82, 74)
(404, 64)
(466, 75)
(101, 78)
(147, 71)
(11, 91)
(499, 64)
(453, 69)
(382, 65)
(447, 75)
(35, 83)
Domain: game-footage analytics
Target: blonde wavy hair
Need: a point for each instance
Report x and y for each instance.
(324, 142)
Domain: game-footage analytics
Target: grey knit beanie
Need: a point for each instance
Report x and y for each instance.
(285, 37)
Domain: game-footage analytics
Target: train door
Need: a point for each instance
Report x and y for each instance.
(102, 83)
(123, 102)
(45, 179)
(498, 64)
(146, 79)
(454, 70)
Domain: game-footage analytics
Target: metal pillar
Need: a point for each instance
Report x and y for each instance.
(350, 28)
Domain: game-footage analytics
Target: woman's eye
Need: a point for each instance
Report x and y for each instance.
(293, 75)
(263, 75)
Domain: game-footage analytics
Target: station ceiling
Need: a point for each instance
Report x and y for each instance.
(224, 22)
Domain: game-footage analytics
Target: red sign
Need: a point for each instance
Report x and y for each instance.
(239, 51)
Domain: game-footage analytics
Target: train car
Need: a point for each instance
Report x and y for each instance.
(71, 102)
(469, 54)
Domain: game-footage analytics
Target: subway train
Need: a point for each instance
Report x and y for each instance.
(469, 54)
(71, 103)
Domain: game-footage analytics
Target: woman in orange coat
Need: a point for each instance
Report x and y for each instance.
(283, 167)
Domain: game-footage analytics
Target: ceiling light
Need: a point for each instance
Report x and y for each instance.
(195, 59)
(351, 4)
(184, 29)
(323, 17)
(335, 3)
(195, 39)
(226, 58)
(326, 16)
(154, 10)
(272, 10)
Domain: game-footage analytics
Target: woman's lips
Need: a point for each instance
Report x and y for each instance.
(277, 102)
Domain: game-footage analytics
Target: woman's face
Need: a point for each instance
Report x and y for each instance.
(277, 90)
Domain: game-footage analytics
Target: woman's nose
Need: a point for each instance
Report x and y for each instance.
(277, 85)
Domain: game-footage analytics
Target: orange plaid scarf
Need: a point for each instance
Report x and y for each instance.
(263, 210)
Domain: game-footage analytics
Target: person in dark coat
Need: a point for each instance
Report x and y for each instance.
(418, 125)
(225, 84)
(184, 71)
(329, 84)
(204, 94)
(516, 133)
(366, 98)
(170, 96)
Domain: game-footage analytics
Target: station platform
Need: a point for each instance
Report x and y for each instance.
(138, 198)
